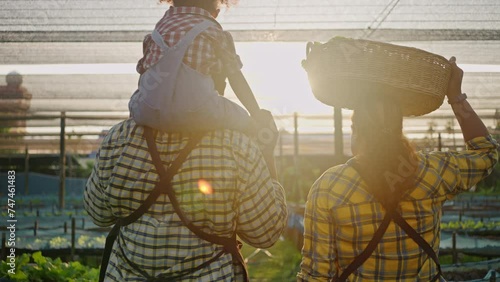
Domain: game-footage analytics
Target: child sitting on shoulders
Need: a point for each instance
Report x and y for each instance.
(183, 71)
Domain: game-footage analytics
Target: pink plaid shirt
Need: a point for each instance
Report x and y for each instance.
(212, 52)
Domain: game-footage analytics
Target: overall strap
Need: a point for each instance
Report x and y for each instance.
(186, 40)
(399, 220)
(394, 215)
(165, 182)
(231, 244)
(158, 39)
(367, 252)
(150, 200)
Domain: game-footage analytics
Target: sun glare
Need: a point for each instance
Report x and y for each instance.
(205, 187)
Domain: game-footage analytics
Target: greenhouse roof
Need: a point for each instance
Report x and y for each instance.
(256, 20)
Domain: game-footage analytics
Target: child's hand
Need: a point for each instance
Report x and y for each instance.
(267, 133)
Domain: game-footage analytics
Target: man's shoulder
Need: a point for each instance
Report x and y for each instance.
(238, 141)
(121, 130)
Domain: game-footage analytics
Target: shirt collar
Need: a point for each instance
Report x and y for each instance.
(188, 10)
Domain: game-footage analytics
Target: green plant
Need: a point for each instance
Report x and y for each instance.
(84, 169)
(470, 225)
(282, 265)
(448, 259)
(37, 268)
(298, 178)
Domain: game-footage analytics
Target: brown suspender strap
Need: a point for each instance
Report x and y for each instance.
(366, 253)
(399, 220)
(150, 200)
(231, 245)
(391, 214)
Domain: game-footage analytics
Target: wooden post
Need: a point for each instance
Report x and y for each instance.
(26, 170)
(65, 227)
(73, 235)
(35, 228)
(62, 162)
(339, 135)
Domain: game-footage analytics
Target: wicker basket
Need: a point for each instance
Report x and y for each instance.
(343, 71)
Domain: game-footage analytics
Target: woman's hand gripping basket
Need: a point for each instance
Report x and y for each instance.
(343, 71)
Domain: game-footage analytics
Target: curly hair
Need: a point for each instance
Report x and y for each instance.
(199, 3)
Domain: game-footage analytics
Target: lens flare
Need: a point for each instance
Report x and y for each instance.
(205, 187)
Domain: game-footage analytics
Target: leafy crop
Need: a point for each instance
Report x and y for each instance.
(59, 242)
(37, 268)
(470, 225)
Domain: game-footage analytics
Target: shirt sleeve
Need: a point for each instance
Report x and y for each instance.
(145, 45)
(226, 51)
(318, 252)
(95, 200)
(462, 170)
(262, 211)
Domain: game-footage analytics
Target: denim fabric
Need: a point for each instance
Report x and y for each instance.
(176, 98)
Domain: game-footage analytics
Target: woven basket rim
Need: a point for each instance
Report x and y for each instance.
(381, 43)
(430, 71)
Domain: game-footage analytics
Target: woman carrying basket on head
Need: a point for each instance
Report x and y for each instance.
(377, 217)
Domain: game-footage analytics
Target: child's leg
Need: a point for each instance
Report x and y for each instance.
(197, 106)
(217, 112)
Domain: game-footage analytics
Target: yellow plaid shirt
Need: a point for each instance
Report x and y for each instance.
(243, 199)
(341, 217)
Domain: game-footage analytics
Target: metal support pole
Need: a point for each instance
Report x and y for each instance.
(3, 252)
(62, 162)
(26, 170)
(454, 248)
(295, 135)
(282, 164)
(339, 138)
(296, 156)
(440, 142)
(73, 237)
